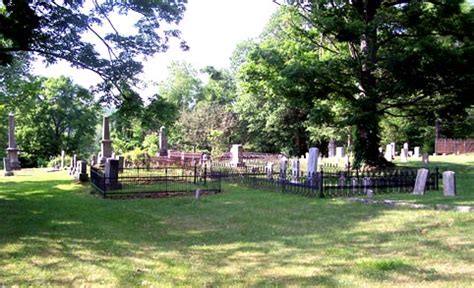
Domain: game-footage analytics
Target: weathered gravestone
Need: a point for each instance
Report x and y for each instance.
(269, 170)
(425, 158)
(237, 157)
(106, 143)
(12, 151)
(283, 168)
(121, 160)
(295, 170)
(163, 141)
(449, 183)
(63, 158)
(7, 171)
(339, 152)
(404, 155)
(393, 149)
(388, 153)
(416, 151)
(331, 148)
(420, 182)
(93, 160)
(72, 169)
(111, 174)
(405, 146)
(313, 166)
(82, 171)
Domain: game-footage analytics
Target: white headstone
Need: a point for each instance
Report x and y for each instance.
(449, 183)
(295, 170)
(283, 167)
(269, 170)
(236, 152)
(404, 155)
(420, 182)
(416, 151)
(388, 153)
(405, 146)
(339, 152)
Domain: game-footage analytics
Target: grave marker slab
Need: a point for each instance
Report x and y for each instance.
(12, 151)
(163, 142)
(449, 183)
(420, 182)
(7, 171)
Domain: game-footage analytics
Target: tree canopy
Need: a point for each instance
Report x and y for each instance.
(87, 35)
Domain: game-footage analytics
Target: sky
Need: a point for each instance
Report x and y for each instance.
(212, 29)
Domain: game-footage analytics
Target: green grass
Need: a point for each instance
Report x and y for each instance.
(463, 165)
(54, 233)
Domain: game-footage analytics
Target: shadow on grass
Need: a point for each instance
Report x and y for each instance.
(58, 226)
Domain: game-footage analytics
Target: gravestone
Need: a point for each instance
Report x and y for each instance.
(106, 143)
(449, 183)
(121, 160)
(313, 166)
(339, 152)
(283, 168)
(93, 160)
(295, 170)
(416, 151)
(111, 174)
(420, 182)
(237, 157)
(63, 158)
(388, 153)
(331, 149)
(12, 151)
(425, 158)
(82, 171)
(404, 155)
(354, 184)
(367, 183)
(393, 149)
(72, 169)
(405, 146)
(163, 142)
(7, 171)
(269, 170)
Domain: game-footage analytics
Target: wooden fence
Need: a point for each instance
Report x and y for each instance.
(454, 146)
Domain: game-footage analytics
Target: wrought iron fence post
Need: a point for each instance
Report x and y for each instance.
(166, 179)
(436, 178)
(195, 172)
(205, 173)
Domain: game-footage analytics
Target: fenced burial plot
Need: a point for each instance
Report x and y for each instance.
(329, 182)
(154, 182)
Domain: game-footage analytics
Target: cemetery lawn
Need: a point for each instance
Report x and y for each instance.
(463, 165)
(54, 233)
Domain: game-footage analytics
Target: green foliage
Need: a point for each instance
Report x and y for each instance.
(56, 30)
(150, 144)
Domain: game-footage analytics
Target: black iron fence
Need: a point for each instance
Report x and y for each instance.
(154, 182)
(330, 182)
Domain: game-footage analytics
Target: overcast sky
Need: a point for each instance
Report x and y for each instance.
(212, 29)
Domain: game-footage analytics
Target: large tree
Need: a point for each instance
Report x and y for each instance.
(400, 57)
(88, 34)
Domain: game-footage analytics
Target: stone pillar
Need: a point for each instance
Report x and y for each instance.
(6, 167)
(420, 182)
(111, 174)
(313, 166)
(269, 170)
(295, 170)
(449, 183)
(12, 151)
(163, 142)
(331, 148)
(237, 157)
(416, 151)
(106, 143)
(283, 168)
(63, 157)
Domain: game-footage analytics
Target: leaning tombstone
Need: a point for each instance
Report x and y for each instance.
(6, 167)
(283, 168)
(420, 182)
(449, 183)
(295, 170)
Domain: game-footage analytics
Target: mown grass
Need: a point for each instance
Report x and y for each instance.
(463, 165)
(54, 233)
